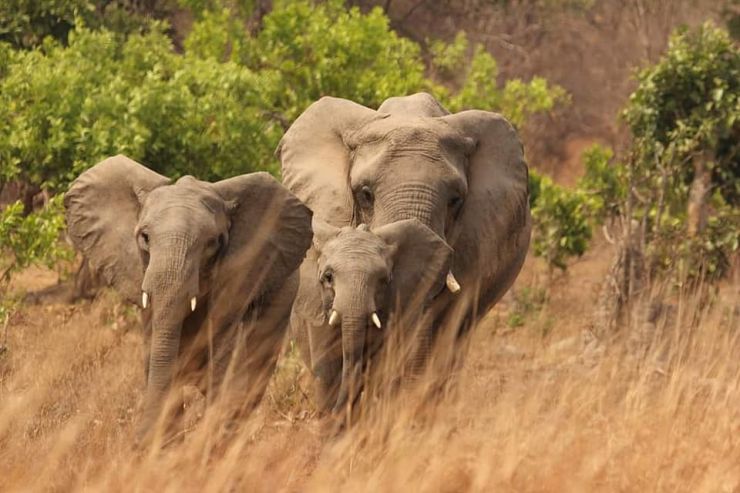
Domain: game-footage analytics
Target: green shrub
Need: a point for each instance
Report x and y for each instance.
(561, 219)
(685, 105)
(685, 120)
(604, 181)
(32, 239)
(69, 107)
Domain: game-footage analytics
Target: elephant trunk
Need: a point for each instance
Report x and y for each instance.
(353, 346)
(354, 307)
(171, 287)
(412, 201)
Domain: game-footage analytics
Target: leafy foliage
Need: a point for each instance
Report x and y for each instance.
(32, 239)
(604, 181)
(561, 217)
(306, 51)
(687, 103)
(687, 108)
(26, 23)
(69, 107)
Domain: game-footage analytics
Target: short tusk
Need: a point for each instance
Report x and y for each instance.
(193, 303)
(144, 299)
(452, 283)
(333, 318)
(376, 320)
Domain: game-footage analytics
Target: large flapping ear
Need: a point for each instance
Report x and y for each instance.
(102, 209)
(492, 233)
(421, 104)
(322, 232)
(269, 235)
(420, 262)
(316, 159)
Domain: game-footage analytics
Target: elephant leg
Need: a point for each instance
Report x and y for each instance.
(299, 333)
(245, 356)
(421, 350)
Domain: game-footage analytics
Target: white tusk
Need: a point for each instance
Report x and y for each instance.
(144, 299)
(452, 283)
(333, 318)
(376, 320)
(193, 302)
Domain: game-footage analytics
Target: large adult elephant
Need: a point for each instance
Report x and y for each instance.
(462, 175)
(213, 265)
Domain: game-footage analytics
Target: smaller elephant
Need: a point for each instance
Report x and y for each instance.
(213, 266)
(364, 276)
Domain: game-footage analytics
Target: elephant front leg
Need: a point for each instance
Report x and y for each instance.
(244, 357)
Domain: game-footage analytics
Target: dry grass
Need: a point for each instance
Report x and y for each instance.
(654, 409)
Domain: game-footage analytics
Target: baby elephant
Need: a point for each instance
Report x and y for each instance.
(213, 266)
(361, 276)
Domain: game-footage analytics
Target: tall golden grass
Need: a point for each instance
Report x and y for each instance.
(655, 407)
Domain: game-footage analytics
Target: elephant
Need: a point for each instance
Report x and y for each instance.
(462, 175)
(213, 266)
(362, 276)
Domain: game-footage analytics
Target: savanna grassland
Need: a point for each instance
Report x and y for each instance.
(546, 406)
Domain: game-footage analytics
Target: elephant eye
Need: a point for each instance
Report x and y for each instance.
(144, 240)
(455, 202)
(327, 278)
(365, 196)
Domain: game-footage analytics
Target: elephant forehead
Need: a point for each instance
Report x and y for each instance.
(400, 131)
(190, 193)
(353, 247)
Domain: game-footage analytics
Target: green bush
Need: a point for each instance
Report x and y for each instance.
(561, 217)
(32, 239)
(604, 181)
(685, 120)
(686, 104)
(69, 107)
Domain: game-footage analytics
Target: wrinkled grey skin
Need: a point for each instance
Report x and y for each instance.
(462, 175)
(234, 246)
(361, 273)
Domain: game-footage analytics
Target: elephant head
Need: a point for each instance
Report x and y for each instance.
(364, 274)
(188, 250)
(462, 175)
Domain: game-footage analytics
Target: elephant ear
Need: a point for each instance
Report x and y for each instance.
(316, 160)
(421, 104)
(492, 233)
(268, 238)
(102, 210)
(322, 232)
(420, 261)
